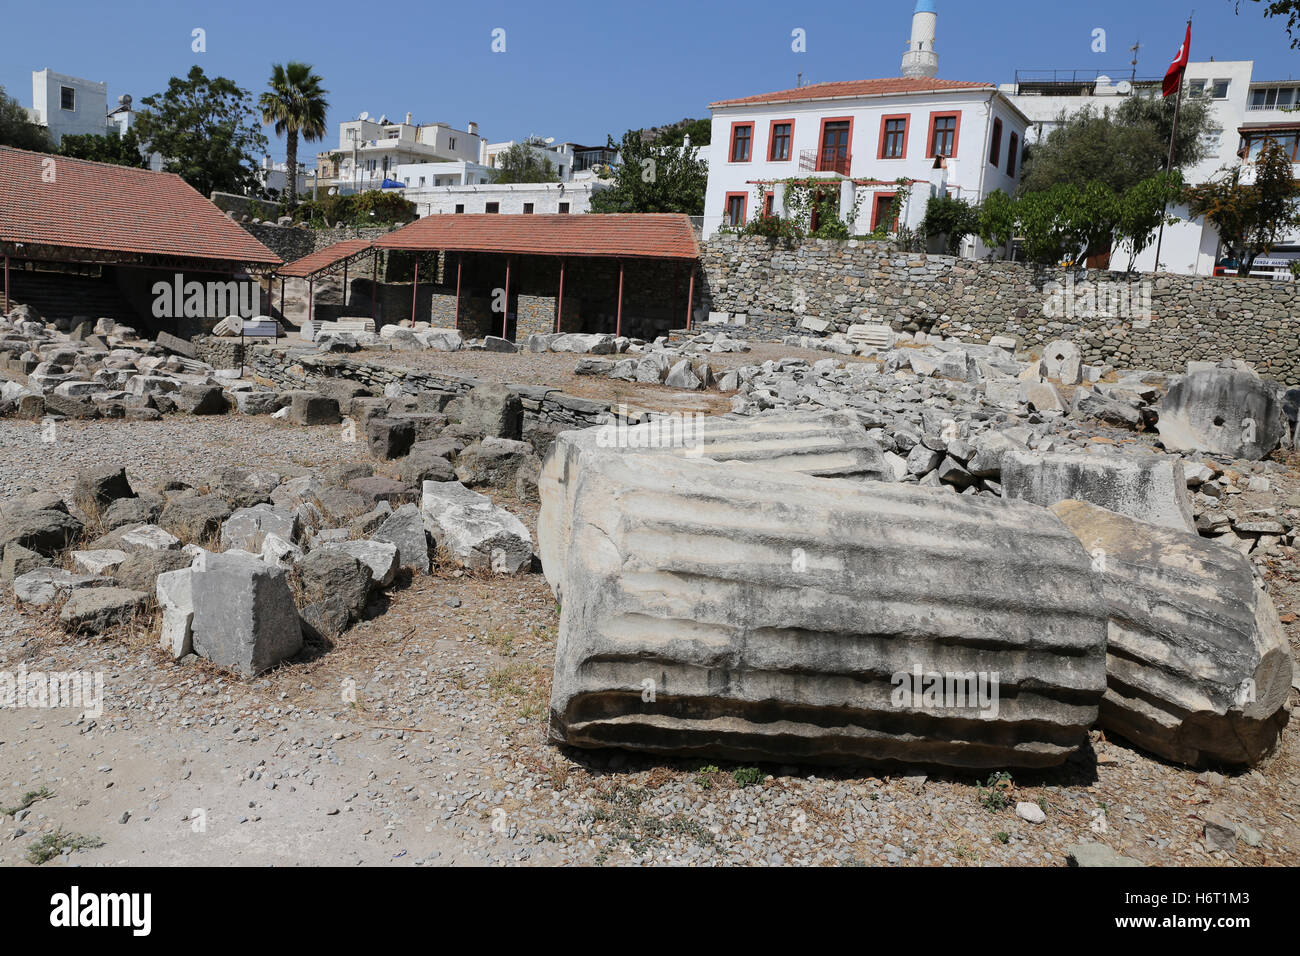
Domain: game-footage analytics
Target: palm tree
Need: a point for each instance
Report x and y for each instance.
(295, 103)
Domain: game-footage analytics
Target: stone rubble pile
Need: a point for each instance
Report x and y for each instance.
(249, 564)
(100, 370)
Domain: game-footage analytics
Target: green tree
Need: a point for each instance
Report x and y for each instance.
(1120, 146)
(1069, 223)
(521, 164)
(996, 225)
(207, 131)
(1140, 210)
(951, 217)
(121, 150)
(17, 130)
(650, 178)
(296, 104)
(1251, 216)
(699, 130)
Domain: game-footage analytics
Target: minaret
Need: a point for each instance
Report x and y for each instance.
(920, 58)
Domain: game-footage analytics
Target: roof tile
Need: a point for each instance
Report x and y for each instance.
(115, 209)
(619, 235)
(841, 88)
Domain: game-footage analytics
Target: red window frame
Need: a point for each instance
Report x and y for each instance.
(848, 143)
(956, 132)
(907, 129)
(879, 208)
(731, 143)
(771, 141)
(995, 151)
(769, 198)
(1013, 147)
(744, 207)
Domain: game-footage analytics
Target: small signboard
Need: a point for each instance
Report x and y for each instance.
(260, 328)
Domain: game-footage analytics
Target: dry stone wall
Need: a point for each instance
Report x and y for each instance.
(817, 286)
(296, 368)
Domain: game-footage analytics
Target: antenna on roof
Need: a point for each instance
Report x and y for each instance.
(1134, 62)
(798, 79)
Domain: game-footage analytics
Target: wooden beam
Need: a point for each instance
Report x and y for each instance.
(559, 304)
(505, 309)
(618, 322)
(415, 287)
(457, 318)
(690, 300)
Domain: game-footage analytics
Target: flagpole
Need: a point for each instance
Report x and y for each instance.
(1169, 163)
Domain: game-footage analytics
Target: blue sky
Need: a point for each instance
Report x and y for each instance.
(577, 71)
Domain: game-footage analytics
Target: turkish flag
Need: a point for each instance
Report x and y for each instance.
(1174, 75)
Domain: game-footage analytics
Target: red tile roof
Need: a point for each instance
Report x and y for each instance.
(107, 208)
(322, 259)
(849, 88)
(622, 235)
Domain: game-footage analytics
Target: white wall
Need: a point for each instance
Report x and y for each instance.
(969, 174)
(90, 105)
(510, 198)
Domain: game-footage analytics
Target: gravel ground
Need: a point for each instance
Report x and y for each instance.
(420, 738)
(556, 370)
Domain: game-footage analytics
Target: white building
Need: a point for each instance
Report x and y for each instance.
(70, 106)
(559, 155)
(507, 198)
(860, 138)
(371, 151)
(1243, 114)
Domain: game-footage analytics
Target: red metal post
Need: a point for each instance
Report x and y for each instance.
(559, 303)
(618, 322)
(415, 287)
(458, 265)
(690, 300)
(505, 311)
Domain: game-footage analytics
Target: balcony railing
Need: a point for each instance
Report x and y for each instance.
(829, 159)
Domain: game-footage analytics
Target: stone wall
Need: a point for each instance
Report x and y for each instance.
(534, 314)
(824, 286)
(294, 242)
(545, 408)
(218, 351)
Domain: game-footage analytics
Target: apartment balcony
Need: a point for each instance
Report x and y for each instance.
(829, 159)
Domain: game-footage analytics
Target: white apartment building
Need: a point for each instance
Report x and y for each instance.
(439, 188)
(371, 151)
(860, 138)
(507, 198)
(70, 106)
(1244, 113)
(560, 155)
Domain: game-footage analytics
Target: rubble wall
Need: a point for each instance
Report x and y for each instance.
(821, 285)
(292, 368)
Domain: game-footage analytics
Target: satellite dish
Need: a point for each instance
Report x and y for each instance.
(383, 120)
(1123, 87)
(334, 190)
(1103, 80)
(549, 140)
(364, 115)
